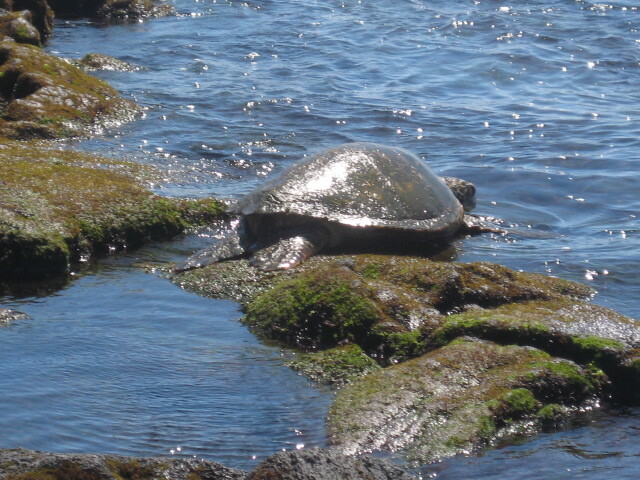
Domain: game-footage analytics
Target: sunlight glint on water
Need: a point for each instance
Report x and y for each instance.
(536, 102)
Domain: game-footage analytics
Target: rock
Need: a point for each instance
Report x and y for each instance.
(18, 27)
(586, 333)
(41, 15)
(7, 315)
(133, 10)
(58, 206)
(21, 464)
(313, 464)
(460, 398)
(97, 61)
(319, 464)
(111, 9)
(387, 305)
(490, 354)
(337, 366)
(37, 13)
(44, 96)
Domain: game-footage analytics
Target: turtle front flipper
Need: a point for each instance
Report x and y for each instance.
(289, 251)
(226, 248)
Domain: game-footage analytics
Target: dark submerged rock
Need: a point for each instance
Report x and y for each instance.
(44, 96)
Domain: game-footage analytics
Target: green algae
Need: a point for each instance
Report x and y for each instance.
(561, 327)
(132, 469)
(460, 398)
(58, 206)
(315, 310)
(337, 366)
(66, 470)
(46, 97)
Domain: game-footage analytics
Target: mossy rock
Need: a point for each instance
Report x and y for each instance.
(37, 12)
(21, 464)
(404, 284)
(336, 366)
(57, 206)
(19, 27)
(92, 62)
(586, 333)
(132, 10)
(461, 398)
(44, 96)
(317, 309)
(388, 305)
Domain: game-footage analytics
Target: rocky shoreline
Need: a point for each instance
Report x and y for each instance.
(59, 207)
(311, 464)
(433, 358)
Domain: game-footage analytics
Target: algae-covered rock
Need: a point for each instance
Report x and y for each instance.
(37, 12)
(540, 351)
(387, 305)
(311, 464)
(317, 309)
(18, 26)
(460, 398)
(336, 366)
(323, 464)
(133, 9)
(58, 206)
(98, 61)
(22, 464)
(582, 332)
(44, 96)
(111, 9)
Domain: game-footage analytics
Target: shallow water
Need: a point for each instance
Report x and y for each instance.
(536, 102)
(122, 361)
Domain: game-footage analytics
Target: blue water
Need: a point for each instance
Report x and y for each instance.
(536, 102)
(122, 361)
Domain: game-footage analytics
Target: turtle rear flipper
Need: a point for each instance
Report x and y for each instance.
(227, 248)
(289, 251)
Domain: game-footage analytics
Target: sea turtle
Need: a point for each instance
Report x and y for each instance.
(356, 195)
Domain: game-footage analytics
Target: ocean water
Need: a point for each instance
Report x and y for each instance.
(536, 102)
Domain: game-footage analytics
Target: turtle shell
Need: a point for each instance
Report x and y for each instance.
(360, 185)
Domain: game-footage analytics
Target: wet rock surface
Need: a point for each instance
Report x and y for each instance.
(97, 61)
(7, 315)
(59, 206)
(473, 354)
(460, 398)
(320, 464)
(313, 464)
(18, 26)
(35, 20)
(42, 96)
(111, 9)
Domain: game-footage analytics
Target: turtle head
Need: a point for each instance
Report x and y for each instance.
(464, 191)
